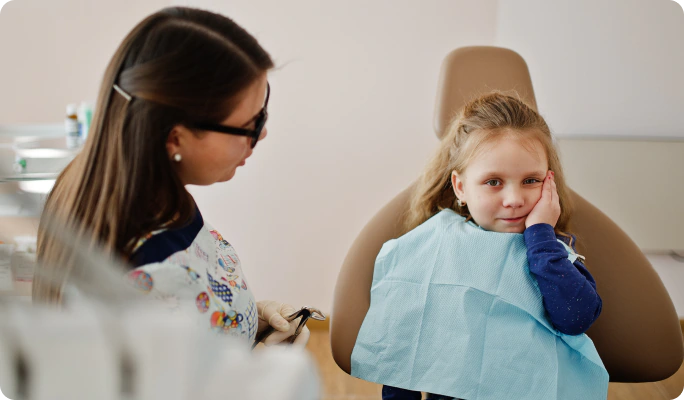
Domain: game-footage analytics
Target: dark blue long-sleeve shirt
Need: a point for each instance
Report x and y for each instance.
(568, 289)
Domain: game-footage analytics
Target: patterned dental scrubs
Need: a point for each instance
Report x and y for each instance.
(195, 271)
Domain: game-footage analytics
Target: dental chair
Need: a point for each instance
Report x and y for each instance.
(638, 334)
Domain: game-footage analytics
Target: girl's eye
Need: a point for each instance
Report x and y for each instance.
(493, 182)
(531, 180)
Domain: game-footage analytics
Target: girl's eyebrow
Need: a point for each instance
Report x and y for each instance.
(537, 173)
(492, 174)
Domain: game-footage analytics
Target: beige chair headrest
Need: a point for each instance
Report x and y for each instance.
(469, 72)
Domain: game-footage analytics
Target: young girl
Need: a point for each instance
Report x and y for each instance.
(483, 297)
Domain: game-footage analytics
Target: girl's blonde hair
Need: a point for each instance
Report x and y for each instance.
(481, 122)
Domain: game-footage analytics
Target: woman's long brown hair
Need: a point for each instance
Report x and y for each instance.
(179, 65)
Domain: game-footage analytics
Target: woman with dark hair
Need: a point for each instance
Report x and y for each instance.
(183, 102)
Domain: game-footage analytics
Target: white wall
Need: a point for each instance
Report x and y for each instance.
(608, 67)
(350, 114)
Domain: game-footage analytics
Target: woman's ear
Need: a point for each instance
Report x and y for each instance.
(177, 140)
(457, 184)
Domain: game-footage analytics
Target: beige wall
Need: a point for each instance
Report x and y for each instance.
(610, 68)
(353, 99)
(351, 116)
(635, 182)
(54, 52)
(350, 113)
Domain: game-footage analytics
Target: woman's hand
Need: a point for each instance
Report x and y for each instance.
(547, 210)
(272, 313)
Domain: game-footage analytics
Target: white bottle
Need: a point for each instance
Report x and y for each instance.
(71, 127)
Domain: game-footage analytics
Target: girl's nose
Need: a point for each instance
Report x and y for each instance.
(513, 198)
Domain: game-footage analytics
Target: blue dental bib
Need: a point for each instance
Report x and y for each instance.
(455, 311)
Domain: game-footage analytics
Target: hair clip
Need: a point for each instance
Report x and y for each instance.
(122, 92)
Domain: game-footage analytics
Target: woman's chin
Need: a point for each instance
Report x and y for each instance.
(226, 177)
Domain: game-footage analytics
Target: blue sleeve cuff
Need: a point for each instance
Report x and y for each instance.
(539, 233)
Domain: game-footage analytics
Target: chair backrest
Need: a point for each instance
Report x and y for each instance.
(637, 335)
(469, 72)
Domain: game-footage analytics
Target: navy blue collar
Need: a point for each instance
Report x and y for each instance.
(162, 245)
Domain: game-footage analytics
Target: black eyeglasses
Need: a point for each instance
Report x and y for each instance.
(259, 122)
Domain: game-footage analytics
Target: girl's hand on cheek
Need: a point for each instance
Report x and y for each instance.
(547, 210)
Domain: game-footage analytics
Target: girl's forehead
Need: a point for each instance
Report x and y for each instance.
(513, 145)
(510, 152)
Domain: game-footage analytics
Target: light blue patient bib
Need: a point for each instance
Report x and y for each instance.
(455, 311)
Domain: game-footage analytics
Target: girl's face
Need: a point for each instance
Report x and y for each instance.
(503, 183)
(212, 156)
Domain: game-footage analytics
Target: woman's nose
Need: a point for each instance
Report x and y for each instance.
(264, 133)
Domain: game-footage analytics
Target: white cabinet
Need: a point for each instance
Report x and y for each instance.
(31, 157)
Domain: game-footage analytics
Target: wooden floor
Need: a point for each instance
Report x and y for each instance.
(337, 385)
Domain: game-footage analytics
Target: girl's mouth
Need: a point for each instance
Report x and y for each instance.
(513, 220)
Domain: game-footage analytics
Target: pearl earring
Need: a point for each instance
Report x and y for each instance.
(177, 157)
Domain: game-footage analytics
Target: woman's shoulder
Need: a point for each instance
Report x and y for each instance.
(161, 244)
